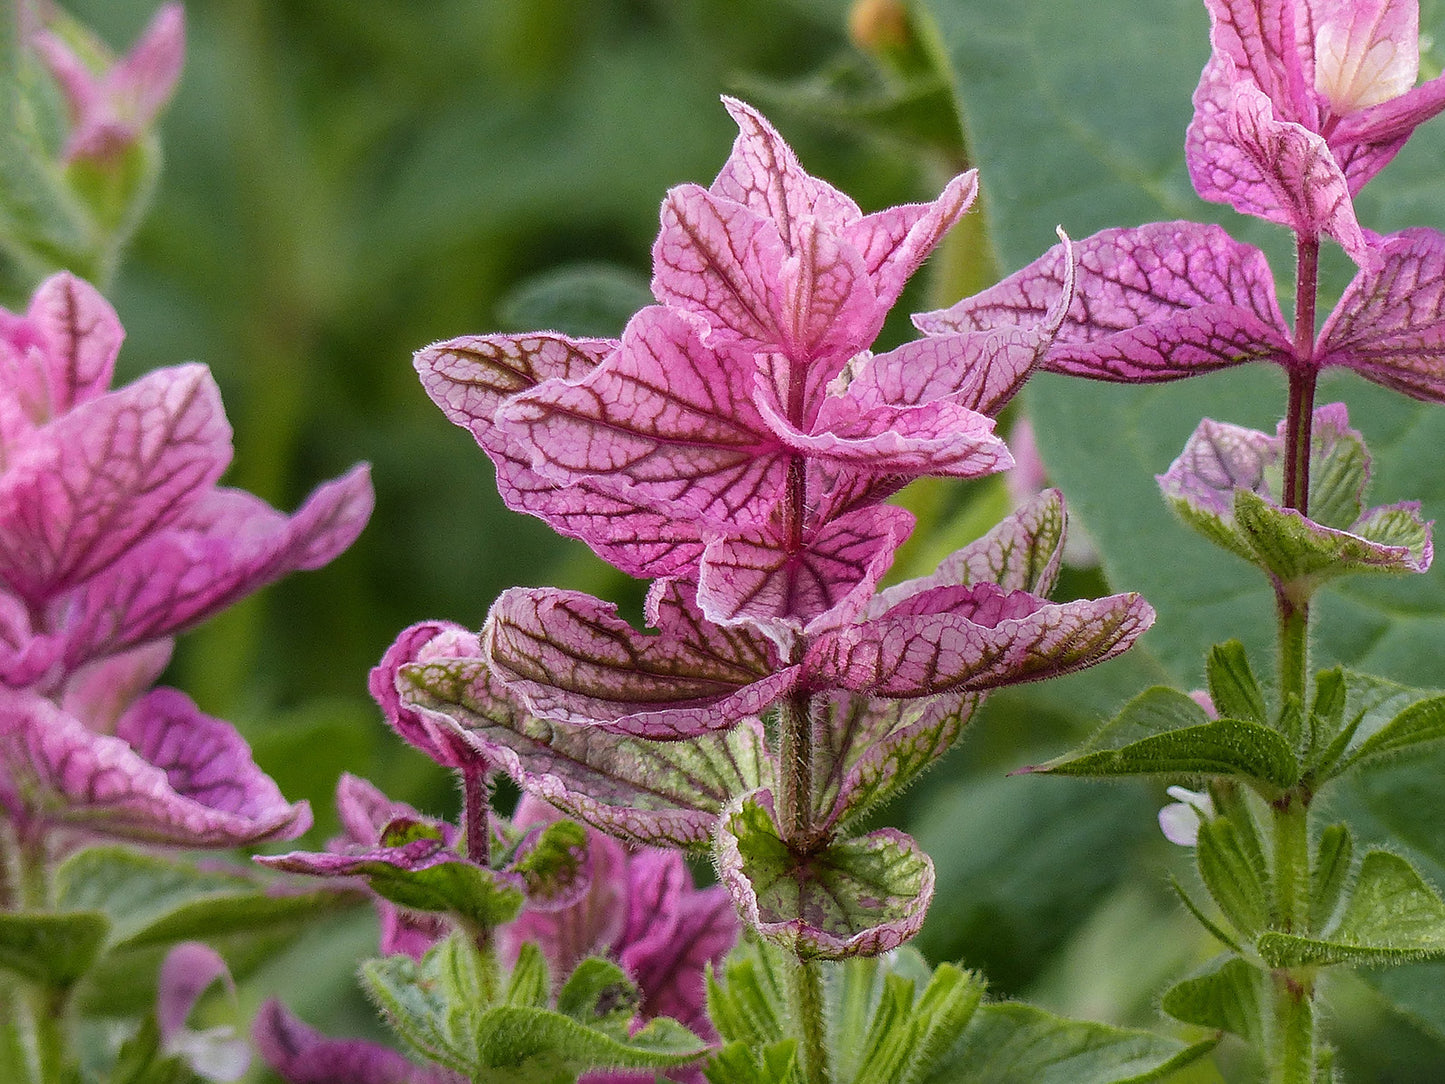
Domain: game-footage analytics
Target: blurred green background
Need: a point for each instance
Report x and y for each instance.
(348, 180)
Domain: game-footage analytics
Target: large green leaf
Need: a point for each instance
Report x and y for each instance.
(50, 949)
(1013, 1043)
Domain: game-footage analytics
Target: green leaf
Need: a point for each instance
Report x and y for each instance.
(141, 1060)
(555, 860)
(53, 950)
(529, 984)
(135, 889)
(446, 1008)
(1302, 555)
(1329, 874)
(473, 894)
(1232, 870)
(1228, 995)
(1232, 685)
(748, 1004)
(599, 994)
(1013, 1043)
(1228, 747)
(858, 896)
(739, 1063)
(14, 1059)
(910, 1033)
(1421, 722)
(1391, 917)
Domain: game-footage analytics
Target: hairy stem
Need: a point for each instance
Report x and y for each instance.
(805, 981)
(47, 1007)
(476, 821)
(1294, 617)
(1294, 1055)
(1302, 376)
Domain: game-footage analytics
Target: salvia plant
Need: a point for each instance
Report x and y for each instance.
(694, 883)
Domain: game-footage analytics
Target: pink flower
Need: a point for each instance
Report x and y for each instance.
(113, 538)
(1301, 103)
(111, 109)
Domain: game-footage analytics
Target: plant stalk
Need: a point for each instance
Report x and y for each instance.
(805, 982)
(1302, 377)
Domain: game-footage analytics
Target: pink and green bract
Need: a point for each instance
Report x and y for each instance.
(114, 536)
(735, 446)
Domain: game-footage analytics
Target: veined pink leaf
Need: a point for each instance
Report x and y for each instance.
(571, 659)
(225, 545)
(1389, 326)
(971, 639)
(659, 794)
(62, 351)
(665, 418)
(99, 692)
(938, 437)
(1022, 552)
(781, 261)
(855, 897)
(1302, 102)
(472, 376)
(1157, 302)
(425, 642)
(84, 489)
(170, 775)
(756, 579)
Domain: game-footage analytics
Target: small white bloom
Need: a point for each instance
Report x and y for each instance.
(1180, 820)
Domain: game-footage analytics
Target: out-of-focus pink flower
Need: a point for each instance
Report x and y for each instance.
(188, 971)
(1301, 103)
(112, 108)
(114, 537)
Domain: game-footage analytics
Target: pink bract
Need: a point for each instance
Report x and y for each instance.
(114, 537)
(112, 108)
(1301, 103)
(1176, 299)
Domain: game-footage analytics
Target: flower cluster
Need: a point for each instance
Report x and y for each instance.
(735, 445)
(114, 536)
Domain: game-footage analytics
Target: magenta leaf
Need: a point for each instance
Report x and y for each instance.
(572, 659)
(854, 897)
(664, 418)
(85, 488)
(674, 933)
(662, 794)
(1301, 103)
(226, 545)
(971, 639)
(757, 579)
(425, 642)
(300, 1055)
(169, 775)
(1157, 302)
(1388, 325)
(777, 260)
(471, 377)
(61, 352)
(1020, 553)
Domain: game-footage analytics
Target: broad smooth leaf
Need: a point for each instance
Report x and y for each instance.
(1227, 995)
(49, 949)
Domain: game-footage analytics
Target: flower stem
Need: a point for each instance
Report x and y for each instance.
(476, 821)
(795, 760)
(1294, 617)
(805, 981)
(1302, 376)
(1294, 1061)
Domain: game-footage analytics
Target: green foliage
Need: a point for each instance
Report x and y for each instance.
(1226, 995)
(454, 1009)
(51, 950)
